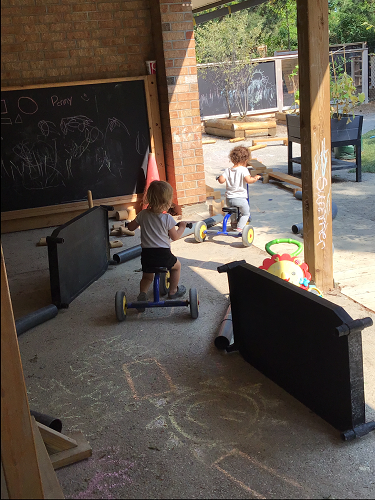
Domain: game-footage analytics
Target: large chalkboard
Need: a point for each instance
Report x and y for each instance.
(59, 142)
(261, 91)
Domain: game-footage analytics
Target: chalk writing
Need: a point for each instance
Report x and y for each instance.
(61, 102)
(323, 199)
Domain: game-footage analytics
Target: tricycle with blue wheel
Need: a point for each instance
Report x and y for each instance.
(247, 235)
(160, 287)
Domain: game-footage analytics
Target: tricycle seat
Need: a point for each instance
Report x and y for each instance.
(230, 210)
(157, 270)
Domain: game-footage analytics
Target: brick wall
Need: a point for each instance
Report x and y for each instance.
(51, 41)
(179, 99)
(47, 41)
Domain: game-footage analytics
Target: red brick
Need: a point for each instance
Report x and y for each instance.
(111, 6)
(187, 61)
(78, 35)
(109, 24)
(188, 96)
(185, 44)
(173, 35)
(76, 17)
(170, 17)
(53, 9)
(51, 37)
(83, 7)
(100, 16)
(56, 54)
(59, 72)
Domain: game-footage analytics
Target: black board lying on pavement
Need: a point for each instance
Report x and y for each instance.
(78, 254)
(304, 343)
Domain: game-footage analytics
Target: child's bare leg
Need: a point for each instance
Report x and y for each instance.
(174, 277)
(146, 281)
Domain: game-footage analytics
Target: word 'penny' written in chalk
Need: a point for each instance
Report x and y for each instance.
(61, 102)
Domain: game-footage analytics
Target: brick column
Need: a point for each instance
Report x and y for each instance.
(172, 22)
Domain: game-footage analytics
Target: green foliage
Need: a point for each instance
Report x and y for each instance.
(352, 21)
(343, 93)
(278, 21)
(368, 152)
(344, 96)
(229, 46)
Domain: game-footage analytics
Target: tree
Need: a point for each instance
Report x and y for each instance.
(350, 20)
(228, 46)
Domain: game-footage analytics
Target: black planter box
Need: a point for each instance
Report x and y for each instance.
(342, 134)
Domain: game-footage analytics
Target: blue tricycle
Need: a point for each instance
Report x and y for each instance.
(201, 231)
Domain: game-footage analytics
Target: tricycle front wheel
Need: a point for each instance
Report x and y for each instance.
(120, 306)
(248, 235)
(194, 303)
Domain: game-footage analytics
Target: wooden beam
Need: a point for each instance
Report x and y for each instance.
(80, 452)
(155, 124)
(51, 485)
(313, 60)
(18, 452)
(55, 441)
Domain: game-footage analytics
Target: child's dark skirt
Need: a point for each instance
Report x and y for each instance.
(157, 257)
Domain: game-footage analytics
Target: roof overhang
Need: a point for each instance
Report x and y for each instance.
(199, 5)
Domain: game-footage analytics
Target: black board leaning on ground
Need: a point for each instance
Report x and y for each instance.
(59, 142)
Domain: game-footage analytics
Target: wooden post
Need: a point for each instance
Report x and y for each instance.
(313, 50)
(89, 199)
(18, 451)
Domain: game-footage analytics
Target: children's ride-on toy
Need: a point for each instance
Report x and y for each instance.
(247, 233)
(161, 287)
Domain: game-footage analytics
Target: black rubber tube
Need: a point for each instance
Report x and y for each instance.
(128, 254)
(35, 318)
(47, 420)
(133, 252)
(225, 333)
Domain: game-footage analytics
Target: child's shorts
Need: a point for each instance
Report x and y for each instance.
(157, 257)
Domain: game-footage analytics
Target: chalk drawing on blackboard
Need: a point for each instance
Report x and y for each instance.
(84, 97)
(6, 121)
(4, 109)
(47, 128)
(27, 105)
(18, 119)
(255, 94)
(114, 122)
(260, 89)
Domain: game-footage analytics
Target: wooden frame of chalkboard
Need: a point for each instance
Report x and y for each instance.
(105, 126)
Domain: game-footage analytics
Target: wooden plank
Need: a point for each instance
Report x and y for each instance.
(270, 139)
(51, 485)
(55, 441)
(314, 86)
(286, 178)
(18, 452)
(80, 452)
(34, 218)
(68, 207)
(70, 84)
(220, 123)
(208, 141)
(254, 125)
(256, 133)
(236, 139)
(224, 133)
(257, 146)
(155, 124)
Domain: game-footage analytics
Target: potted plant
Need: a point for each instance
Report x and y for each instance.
(346, 127)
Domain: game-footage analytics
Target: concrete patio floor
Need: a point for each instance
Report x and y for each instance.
(166, 413)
